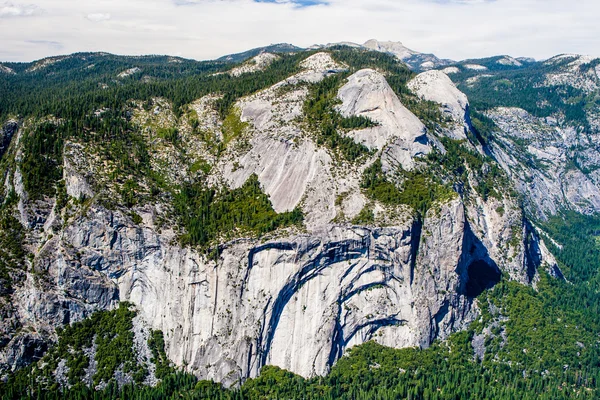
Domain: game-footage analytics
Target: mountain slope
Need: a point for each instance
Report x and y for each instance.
(546, 117)
(278, 216)
(273, 48)
(415, 60)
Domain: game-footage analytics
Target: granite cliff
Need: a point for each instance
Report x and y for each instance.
(361, 266)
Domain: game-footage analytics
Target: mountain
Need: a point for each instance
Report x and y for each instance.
(316, 224)
(273, 48)
(548, 115)
(415, 60)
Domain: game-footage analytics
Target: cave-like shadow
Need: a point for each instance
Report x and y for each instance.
(482, 276)
(482, 271)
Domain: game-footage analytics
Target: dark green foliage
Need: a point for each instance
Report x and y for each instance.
(93, 108)
(418, 189)
(69, 89)
(327, 122)
(12, 235)
(544, 332)
(136, 218)
(129, 193)
(547, 348)
(579, 236)
(61, 195)
(201, 165)
(156, 342)
(459, 161)
(273, 48)
(543, 345)
(356, 122)
(398, 74)
(111, 332)
(233, 127)
(364, 217)
(445, 371)
(42, 160)
(235, 87)
(484, 126)
(168, 134)
(579, 259)
(206, 213)
(525, 88)
(12, 254)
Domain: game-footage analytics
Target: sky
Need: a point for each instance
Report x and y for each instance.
(208, 29)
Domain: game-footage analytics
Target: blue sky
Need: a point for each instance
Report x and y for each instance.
(206, 29)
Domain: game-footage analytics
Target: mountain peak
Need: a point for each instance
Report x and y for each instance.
(395, 48)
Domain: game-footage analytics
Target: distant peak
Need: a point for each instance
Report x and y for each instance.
(386, 43)
(395, 48)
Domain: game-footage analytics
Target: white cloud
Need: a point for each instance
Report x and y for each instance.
(98, 17)
(204, 29)
(18, 10)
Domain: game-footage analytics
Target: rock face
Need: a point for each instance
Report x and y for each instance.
(546, 143)
(258, 63)
(417, 61)
(437, 87)
(573, 74)
(536, 153)
(6, 70)
(6, 134)
(368, 94)
(298, 298)
(296, 302)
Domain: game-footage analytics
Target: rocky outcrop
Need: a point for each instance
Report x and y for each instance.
(576, 72)
(368, 94)
(297, 302)
(543, 159)
(437, 87)
(7, 132)
(258, 63)
(415, 60)
(73, 166)
(6, 70)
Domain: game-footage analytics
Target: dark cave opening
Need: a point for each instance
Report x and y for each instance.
(482, 276)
